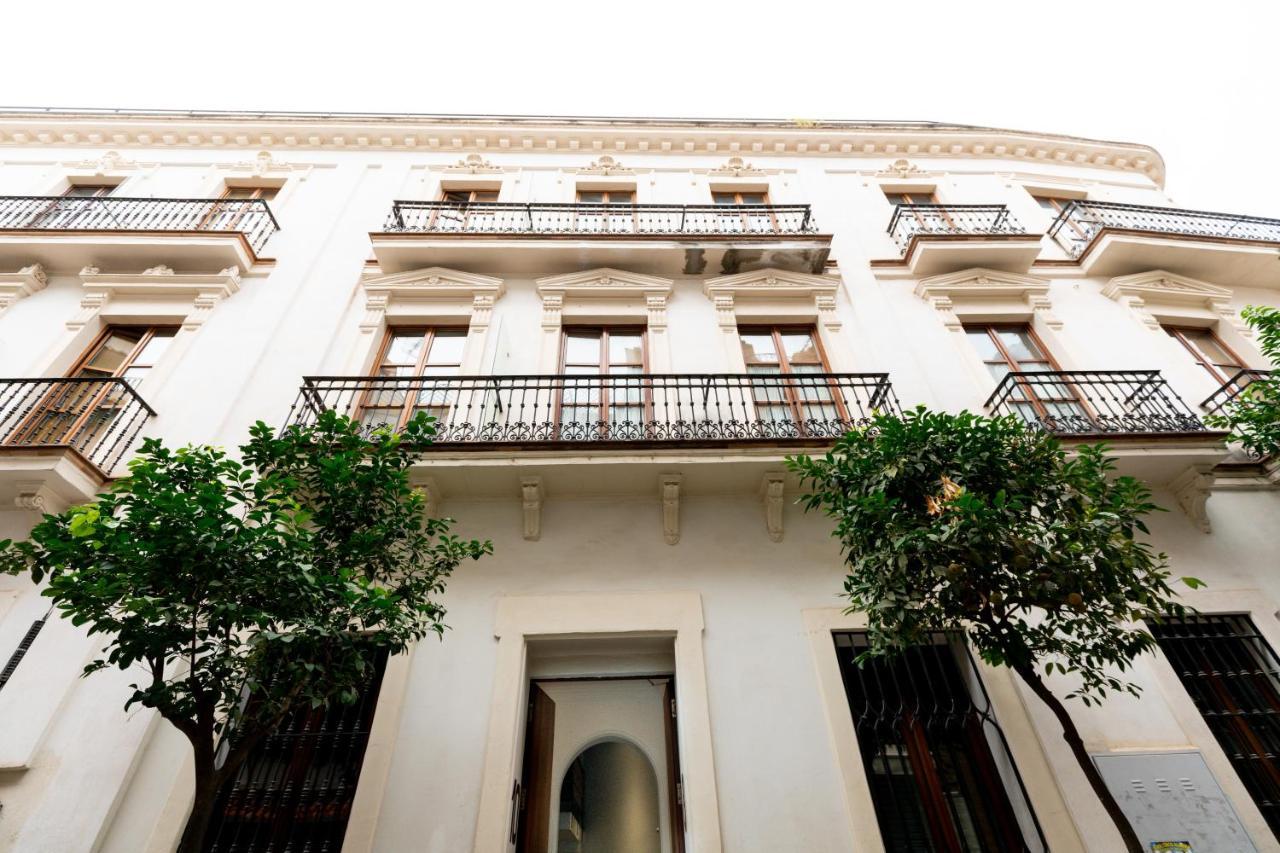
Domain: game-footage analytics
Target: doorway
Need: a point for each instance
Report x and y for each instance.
(601, 769)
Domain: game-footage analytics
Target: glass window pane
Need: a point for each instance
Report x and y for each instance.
(155, 347)
(111, 356)
(485, 195)
(404, 349)
(1207, 344)
(620, 197)
(590, 197)
(457, 195)
(800, 348)
(446, 347)
(626, 349)
(982, 342)
(758, 349)
(1020, 345)
(582, 348)
(753, 198)
(725, 198)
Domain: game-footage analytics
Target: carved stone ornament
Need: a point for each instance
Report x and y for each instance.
(1193, 488)
(193, 296)
(976, 289)
(531, 505)
(669, 493)
(473, 164)
(772, 488)
(901, 168)
(605, 165)
(648, 291)
(263, 164)
(734, 167)
(109, 162)
(24, 282)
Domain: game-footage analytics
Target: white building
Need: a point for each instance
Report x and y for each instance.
(670, 616)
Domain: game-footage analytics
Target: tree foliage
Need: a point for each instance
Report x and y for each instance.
(272, 576)
(1254, 416)
(982, 526)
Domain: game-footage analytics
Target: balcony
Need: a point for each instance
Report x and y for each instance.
(502, 238)
(65, 436)
(65, 233)
(1151, 431)
(941, 238)
(1110, 239)
(723, 431)
(1232, 389)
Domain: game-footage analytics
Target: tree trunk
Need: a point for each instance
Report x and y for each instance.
(193, 841)
(1072, 737)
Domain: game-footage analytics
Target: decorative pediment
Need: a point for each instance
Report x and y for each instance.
(954, 293)
(726, 291)
(604, 165)
(24, 282)
(192, 296)
(1159, 288)
(437, 284)
(604, 283)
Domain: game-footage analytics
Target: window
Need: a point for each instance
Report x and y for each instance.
(616, 406)
(623, 218)
(788, 353)
(929, 220)
(89, 190)
(606, 197)
(1209, 352)
(227, 215)
(1055, 207)
(82, 413)
(1233, 677)
(295, 790)
(68, 212)
(929, 742)
(759, 220)
(415, 355)
(912, 198)
(464, 210)
(1016, 349)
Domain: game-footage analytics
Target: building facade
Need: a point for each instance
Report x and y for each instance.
(624, 328)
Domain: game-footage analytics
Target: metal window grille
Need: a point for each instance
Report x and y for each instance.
(294, 793)
(940, 772)
(1233, 677)
(24, 645)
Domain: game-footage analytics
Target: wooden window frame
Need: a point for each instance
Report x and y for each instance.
(793, 401)
(23, 432)
(464, 207)
(609, 218)
(1060, 204)
(603, 405)
(746, 216)
(1178, 333)
(1015, 366)
(429, 334)
(907, 195)
(222, 208)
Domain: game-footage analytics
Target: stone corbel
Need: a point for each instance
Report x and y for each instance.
(947, 309)
(531, 496)
(772, 492)
(431, 492)
(36, 496)
(669, 492)
(552, 310)
(827, 316)
(481, 311)
(1192, 488)
(725, 315)
(656, 306)
(1043, 308)
(375, 310)
(24, 282)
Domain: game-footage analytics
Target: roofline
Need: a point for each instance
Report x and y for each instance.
(1097, 151)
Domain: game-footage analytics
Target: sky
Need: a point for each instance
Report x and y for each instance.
(1198, 81)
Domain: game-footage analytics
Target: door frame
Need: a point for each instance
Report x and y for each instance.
(522, 618)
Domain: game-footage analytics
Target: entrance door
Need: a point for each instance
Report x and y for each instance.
(535, 813)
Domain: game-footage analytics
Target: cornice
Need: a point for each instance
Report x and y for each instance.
(604, 282)
(435, 283)
(771, 283)
(472, 134)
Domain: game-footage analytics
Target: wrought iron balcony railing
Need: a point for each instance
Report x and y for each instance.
(643, 408)
(670, 220)
(1087, 402)
(248, 216)
(1082, 221)
(953, 220)
(1231, 390)
(100, 418)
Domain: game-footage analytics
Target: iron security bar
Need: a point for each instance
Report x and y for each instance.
(1094, 401)
(488, 217)
(248, 216)
(1082, 221)
(617, 408)
(100, 418)
(913, 220)
(1233, 388)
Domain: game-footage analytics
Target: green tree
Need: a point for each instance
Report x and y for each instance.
(985, 528)
(1254, 416)
(274, 577)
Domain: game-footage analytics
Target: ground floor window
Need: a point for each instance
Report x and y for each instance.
(940, 772)
(295, 791)
(1233, 677)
